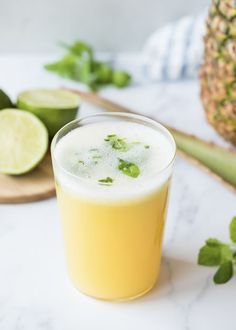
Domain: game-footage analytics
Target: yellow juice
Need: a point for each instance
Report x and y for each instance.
(112, 193)
(113, 250)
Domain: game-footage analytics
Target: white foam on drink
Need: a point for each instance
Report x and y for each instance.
(86, 158)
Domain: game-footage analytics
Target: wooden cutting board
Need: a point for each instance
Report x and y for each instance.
(36, 185)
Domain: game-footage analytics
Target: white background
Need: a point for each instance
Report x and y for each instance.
(111, 25)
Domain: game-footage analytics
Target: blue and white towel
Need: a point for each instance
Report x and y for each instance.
(175, 51)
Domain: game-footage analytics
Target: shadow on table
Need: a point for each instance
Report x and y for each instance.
(176, 276)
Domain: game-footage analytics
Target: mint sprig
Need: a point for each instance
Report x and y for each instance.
(129, 168)
(217, 253)
(117, 142)
(79, 64)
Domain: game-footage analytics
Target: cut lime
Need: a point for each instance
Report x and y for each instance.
(23, 141)
(55, 107)
(5, 101)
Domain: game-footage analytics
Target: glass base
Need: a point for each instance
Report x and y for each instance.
(122, 299)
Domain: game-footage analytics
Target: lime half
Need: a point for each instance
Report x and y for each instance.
(5, 101)
(23, 141)
(55, 107)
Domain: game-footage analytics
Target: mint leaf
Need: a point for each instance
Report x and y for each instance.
(146, 146)
(104, 73)
(107, 180)
(224, 273)
(116, 142)
(128, 168)
(80, 49)
(65, 67)
(120, 78)
(226, 253)
(214, 253)
(209, 255)
(217, 253)
(232, 230)
(213, 242)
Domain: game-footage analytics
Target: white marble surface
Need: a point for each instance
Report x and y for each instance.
(35, 292)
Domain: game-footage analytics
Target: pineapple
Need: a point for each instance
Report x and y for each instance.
(218, 71)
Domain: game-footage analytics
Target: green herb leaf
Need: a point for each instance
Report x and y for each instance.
(214, 253)
(128, 168)
(226, 253)
(213, 242)
(116, 142)
(106, 181)
(232, 229)
(79, 64)
(146, 146)
(80, 48)
(209, 255)
(66, 67)
(120, 78)
(81, 162)
(224, 273)
(217, 253)
(103, 73)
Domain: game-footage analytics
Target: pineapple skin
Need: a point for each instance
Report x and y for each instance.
(218, 71)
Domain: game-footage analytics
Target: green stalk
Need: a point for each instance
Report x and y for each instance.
(220, 161)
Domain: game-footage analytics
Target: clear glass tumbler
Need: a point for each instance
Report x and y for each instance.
(113, 247)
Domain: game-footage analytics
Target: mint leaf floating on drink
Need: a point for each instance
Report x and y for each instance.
(128, 168)
(107, 181)
(217, 253)
(117, 142)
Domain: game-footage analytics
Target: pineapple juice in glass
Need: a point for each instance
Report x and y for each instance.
(112, 174)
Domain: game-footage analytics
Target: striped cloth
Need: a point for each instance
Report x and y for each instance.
(175, 51)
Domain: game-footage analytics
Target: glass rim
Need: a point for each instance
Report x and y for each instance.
(142, 118)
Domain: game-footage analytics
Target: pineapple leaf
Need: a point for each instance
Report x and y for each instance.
(219, 160)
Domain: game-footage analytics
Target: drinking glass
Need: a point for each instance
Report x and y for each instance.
(113, 247)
